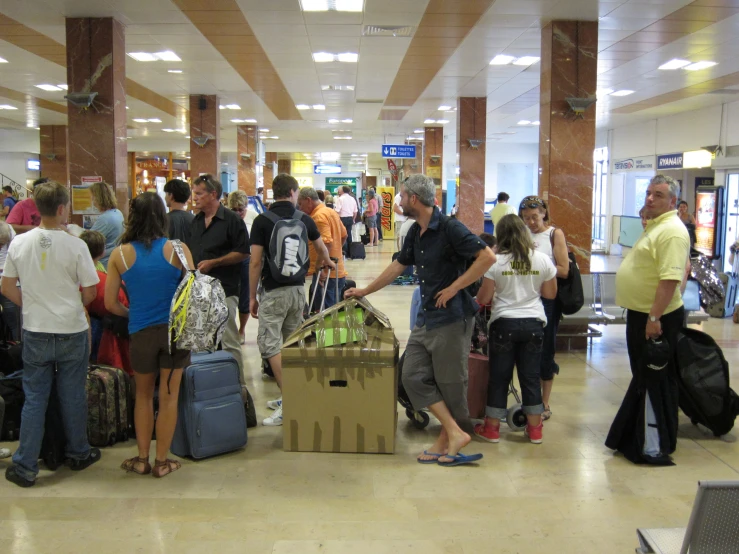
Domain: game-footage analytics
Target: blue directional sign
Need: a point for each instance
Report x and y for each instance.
(398, 151)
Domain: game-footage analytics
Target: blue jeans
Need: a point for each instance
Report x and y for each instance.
(515, 342)
(330, 292)
(46, 357)
(549, 367)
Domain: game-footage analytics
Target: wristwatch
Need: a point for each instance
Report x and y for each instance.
(653, 318)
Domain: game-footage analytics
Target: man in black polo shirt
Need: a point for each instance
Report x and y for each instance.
(280, 309)
(219, 243)
(435, 366)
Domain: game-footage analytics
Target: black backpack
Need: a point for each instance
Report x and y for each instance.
(706, 396)
(570, 295)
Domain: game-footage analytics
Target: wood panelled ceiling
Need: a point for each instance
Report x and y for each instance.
(443, 27)
(39, 44)
(224, 25)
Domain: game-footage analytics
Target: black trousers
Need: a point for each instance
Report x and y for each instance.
(636, 325)
(348, 222)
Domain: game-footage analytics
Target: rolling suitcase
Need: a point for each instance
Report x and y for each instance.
(357, 251)
(109, 406)
(211, 418)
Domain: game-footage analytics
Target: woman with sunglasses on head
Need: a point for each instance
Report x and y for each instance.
(551, 242)
(517, 280)
(238, 202)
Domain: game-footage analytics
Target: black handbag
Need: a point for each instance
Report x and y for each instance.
(570, 295)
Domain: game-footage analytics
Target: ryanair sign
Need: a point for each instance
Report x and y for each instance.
(642, 163)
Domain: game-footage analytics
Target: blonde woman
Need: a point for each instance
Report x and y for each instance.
(238, 202)
(110, 220)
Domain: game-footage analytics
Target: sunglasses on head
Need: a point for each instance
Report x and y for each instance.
(531, 202)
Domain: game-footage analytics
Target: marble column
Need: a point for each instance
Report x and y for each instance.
(96, 62)
(434, 157)
(270, 168)
(246, 157)
(471, 125)
(54, 153)
(569, 57)
(205, 122)
(284, 166)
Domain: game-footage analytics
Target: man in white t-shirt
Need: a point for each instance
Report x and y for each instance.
(52, 266)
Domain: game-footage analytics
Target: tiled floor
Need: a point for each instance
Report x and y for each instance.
(568, 495)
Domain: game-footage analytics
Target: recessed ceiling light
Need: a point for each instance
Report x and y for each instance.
(237, 121)
(348, 57)
(319, 107)
(63, 87)
(233, 107)
(302, 106)
(250, 121)
(429, 121)
(264, 130)
(187, 136)
(444, 108)
(418, 131)
(347, 121)
(337, 87)
(7, 107)
(49, 88)
(174, 71)
(333, 121)
(335, 5)
(624, 92)
(168, 56)
(603, 92)
(183, 131)
(3, 60)
(154, 120)
(699, 65)
(323, 57)
(677, 63)
(142, 56)
(536, 122)
(139, 120)
(414, 138)
(526, 60)
(501, 59)
(524, 122)
(168, 130)
(442, 121)
(128, 108)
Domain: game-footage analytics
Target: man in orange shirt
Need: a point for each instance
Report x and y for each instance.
(333, 234)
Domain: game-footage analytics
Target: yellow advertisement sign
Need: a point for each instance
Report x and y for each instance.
(388, 216)
(82, 200)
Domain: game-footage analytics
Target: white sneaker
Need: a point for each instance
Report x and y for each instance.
(275, 419)
(274, 404)
(5, 453)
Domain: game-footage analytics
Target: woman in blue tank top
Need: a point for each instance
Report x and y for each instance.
(146, 261)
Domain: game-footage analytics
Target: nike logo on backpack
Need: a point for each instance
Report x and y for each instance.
(291, 266)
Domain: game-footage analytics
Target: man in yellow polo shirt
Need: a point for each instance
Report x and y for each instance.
(648, 286)
(333, 233)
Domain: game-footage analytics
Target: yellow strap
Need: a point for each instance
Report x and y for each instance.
(182, 302)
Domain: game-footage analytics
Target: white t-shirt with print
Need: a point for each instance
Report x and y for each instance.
(517, 291)
(51, 266)
(399, 218)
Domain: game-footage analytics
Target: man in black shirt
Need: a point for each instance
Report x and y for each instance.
(435, 366)
(176, 195)
(219, 243)
(280, 309)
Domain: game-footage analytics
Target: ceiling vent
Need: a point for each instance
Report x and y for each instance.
(387, 31)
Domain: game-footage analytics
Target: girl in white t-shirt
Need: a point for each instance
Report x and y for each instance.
(517, 281)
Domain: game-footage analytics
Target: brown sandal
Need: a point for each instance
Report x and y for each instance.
(130, 465)
(165, 467)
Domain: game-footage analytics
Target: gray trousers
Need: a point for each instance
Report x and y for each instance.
(435, 367)
(231, 339)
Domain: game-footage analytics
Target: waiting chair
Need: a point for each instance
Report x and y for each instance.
(713, 527)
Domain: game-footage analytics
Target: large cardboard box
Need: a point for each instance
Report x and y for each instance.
(340, 382)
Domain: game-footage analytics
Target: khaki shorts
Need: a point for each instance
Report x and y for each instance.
(150, 351)
(280, 314)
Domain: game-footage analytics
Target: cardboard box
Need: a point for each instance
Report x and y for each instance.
(340, 382)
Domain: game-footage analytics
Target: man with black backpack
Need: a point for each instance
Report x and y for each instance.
(448, 259)
(280, 261)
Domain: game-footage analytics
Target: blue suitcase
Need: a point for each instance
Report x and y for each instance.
(211, 418)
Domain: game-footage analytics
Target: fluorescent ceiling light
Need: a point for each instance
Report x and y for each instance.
(3, 60)
(332, 5)
(603, 92)
(174, 71)
(302, 106)
(139, 120)
(264, 130)
(342, 138)
(237, 121)
(536, 122)
(624, 92)
(183, 131)
(429, 121)
(319, 107)
(7, 107)
(168, 56)
(418, 131)
(233, 107)
(444, 108)
(274, 137)
(333, 121)
(143, 56)
(501, 59)
(348, 57)
(168, 130)
(524, 122)
(414, 138)
(49, 88)
(63, 87)
(154, 120)
(347, 121)
(250, 121)
(677, 63)
(349, 5)
(697, 66)
(526, 60)
(442, 121)
(322, 57)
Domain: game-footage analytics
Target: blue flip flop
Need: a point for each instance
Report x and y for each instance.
(459, 459)
(435, 460)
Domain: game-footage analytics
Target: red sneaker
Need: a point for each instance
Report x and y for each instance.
(487, 432)
(535, 433)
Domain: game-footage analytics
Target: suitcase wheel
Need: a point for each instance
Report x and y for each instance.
(420, 420)
(516, 419)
